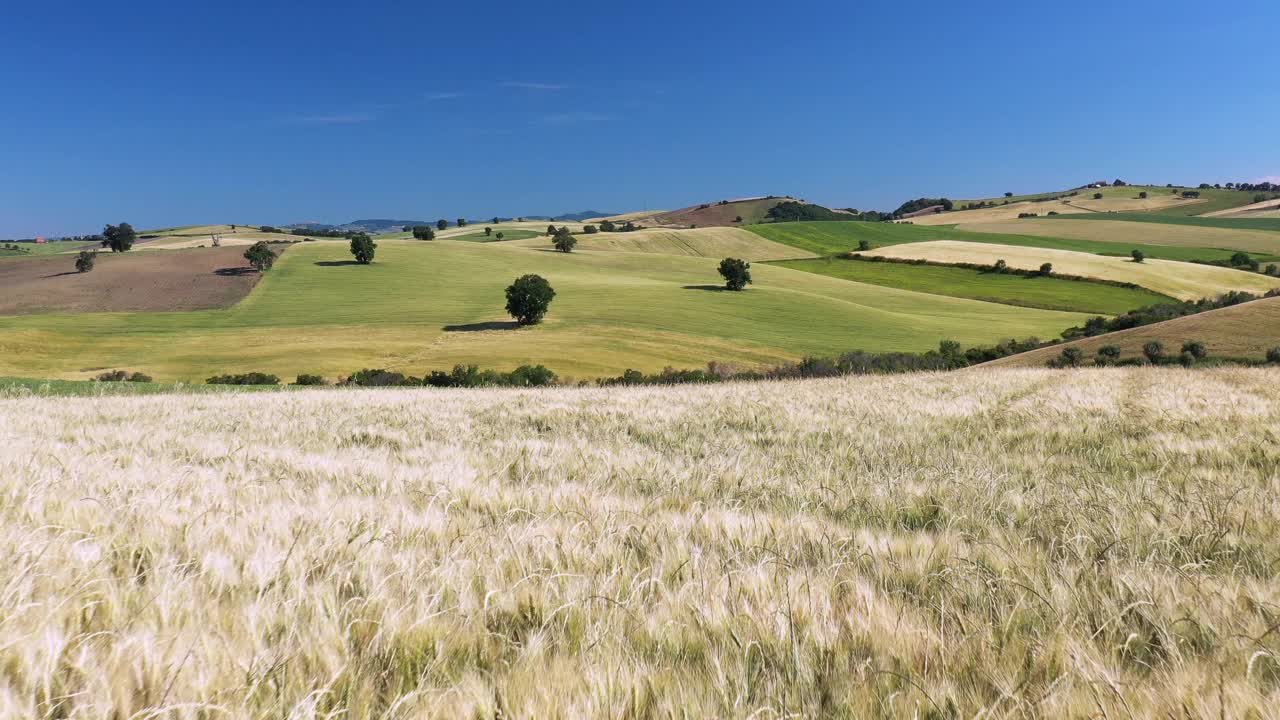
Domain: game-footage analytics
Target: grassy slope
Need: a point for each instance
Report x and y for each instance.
(507, 235)
(1210, 200)
(832, 238)
(1242, 331)
(1091, 544)
(1185, 281)
(1269, 224)
(1049, 293)
(1128, 234)
(613, 311)
(717, 242)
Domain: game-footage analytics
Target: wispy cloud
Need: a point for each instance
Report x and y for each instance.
(533, 85)
(332, 119)
(443, 95)
(572, 118)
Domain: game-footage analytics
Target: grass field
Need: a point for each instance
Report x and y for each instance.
(982, 544)
(1122, 199)
(714, 242)
(1160, 200)
(29, 387)
(835, 238)
(1185, 281)
(429, 305)
(1226, 223)
(1039, 292)
(1243, 332)
(40, 249)
(507, 235)
(1261, 242)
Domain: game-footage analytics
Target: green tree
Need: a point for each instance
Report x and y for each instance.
(528, 299)
(1273, 356)
(1195, 349)
(462, 222)
(1071, 357)
(442, 224)
(1000, 266)
(1138, 256)
(1046, 269)
(85, 260)
(590, 229)
(119, 238)
(736, 273)
(362, 248)
(564, 240)
(260, 256)
(496, 220)
(551, 230)
(423, 232)
(500, 235)
(1143, 195)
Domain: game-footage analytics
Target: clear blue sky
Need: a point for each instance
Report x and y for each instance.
(161, 113)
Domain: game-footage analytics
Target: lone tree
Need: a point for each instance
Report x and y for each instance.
(864, 244)
(462, 222)
(119, 238)
(488, 231)
(1046, 269)
(1138, 256)
(496, 220)
(423, 232)
(736, 273)
(442, 224)
(362, 248)
(528, 299)
(1000, 266)
(85, 260)
(500, 235)
(260, 256)
(564, 240)
(1097, 196)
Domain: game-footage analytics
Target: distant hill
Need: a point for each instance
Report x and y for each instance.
(375, 226)
(720, 213)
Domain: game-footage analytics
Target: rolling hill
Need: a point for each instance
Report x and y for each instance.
(711, 242)
(722, 213)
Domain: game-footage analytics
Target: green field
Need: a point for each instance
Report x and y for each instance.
(1049, 293)
(39, 249)
(24, 387)
(479, 236)
(425, 306)
(834, 238)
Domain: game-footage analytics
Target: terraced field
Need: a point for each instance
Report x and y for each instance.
(429, 305)
(1185, 281)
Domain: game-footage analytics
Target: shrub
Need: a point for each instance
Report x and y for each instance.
(1107, 355)
(1186, 360)
(309, 380)
(1273, 270)
(1024, 215)
(590, 229)
(1097, 196)
(85, 260)
(1046, 269)
(252, 378)
(1196, 349)
(424, 232)
(363, 248)
(1000, 266)
(375, 378)
(1142, 195)
(488, 231)
(1137, 255)
(864, 245)
(736, 273)
(1070, 357)
(260, 256)
(1154, 351)
(737, 219)
(122, 376)
(442, 224)
(551, 230)
(1273, 356)
(500, 235)
(531, 376)
(528, 299)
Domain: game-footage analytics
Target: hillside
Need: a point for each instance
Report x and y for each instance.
(722, 213)
(1244, 331)
(711, 242)
(861, 548)
(429, 305)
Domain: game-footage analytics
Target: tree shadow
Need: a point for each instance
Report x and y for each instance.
(708, 288)
(336, 263)
(234, 272)
(69, 272)
(481, 326)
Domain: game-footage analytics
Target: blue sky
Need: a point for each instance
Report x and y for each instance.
(265, 112)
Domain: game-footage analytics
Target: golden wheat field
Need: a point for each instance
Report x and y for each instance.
(993, 543)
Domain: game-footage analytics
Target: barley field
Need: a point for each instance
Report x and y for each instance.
(994, 543)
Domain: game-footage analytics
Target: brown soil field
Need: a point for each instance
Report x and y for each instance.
(1239, 331)
(197, 279)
